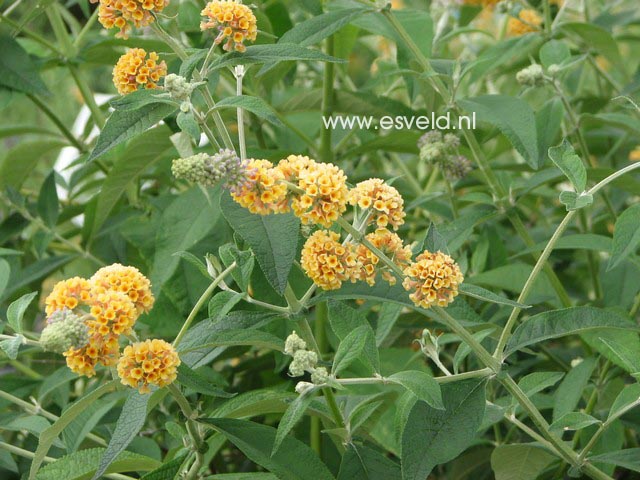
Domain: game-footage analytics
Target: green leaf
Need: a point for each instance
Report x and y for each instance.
(16, 310)
(11, 346)
(255, 105)
(597, 37)
(130, 422)
(628, 398)
(548, 123)
(350, 348)
(513, 117)
(48, 200)
(575, 201)
(167, 471)
(5, 273)
(361, 462)
(123, 125)
(271, 54)
(565, 158)
(626, 235)
(222, 303)
(464, 349)
(567, 321)
(628, 458)
(572, 387)
(291, 416)
(196, 382)
(422, 385)
(31, 153)
(273, 239)
(318, 28)
(519, 462)
(574, 421)
(139, 155)
(254, 338)
(50, 434)
(17, 71)
(537, 381)
(488, 296)
(433, 241)
(188, 124)
(433, 436)
(554, 52)
(140, 98)
(80, 465)
(623, 354)
(293, 461)
(229, 253)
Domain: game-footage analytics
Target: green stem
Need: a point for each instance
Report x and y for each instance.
(60, 31)
(25, 341)
(192, 430)
(239, 74)
(292, 301)
(58, 123)
(326, 152)
(87, 96)
(201, 301)
(86, 28)
(482, 373)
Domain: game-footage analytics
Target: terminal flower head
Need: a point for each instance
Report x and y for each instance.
(152, 362)
(68, 294)
(327, 262)
(135, 69)
(99, 350)
(388, 243)
(123, 14)
(128, 280)
(234, 22)
(433, 279)
(385, 202)
(263, 191)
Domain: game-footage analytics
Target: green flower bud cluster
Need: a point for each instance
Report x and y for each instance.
(304, 361)
(224, 168)
(64, 330)
(532, 76)
(442, 150)
(178, 87)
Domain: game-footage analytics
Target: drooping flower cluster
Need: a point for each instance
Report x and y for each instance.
(108, 306)
(327, 262)
(388, 243)
(136, 70)
(123, 14)
(442, 150)
(433, 279)
(224, 168)
(528, 20)
(234, 22)
(152, 362)
(385, 202)
(264, 191)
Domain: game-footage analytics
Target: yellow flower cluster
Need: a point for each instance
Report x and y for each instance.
(234, 22)
(634, 155)
(324, 194)
(433, 279)
(528, 21)
(129, 281)
(124, 13)
(69, 294)
(113, 299)
(152, 362)
(135, 70)
(264, 191)
(384, 200)
(327, 262)
(391, 245)
(482, 3)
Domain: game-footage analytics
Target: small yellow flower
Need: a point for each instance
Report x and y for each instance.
(327, 262)
(68, 294)
(634, 155)
(324, 194)
(152, 362)
(433, 279)
(234, 21)
(263, 192)
(528, 21)
(385, 202)
(100, 349)
(129, 281)
(391, 245)
(135, 70)
(124, 13)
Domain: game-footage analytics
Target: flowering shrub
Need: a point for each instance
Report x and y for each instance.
(202, 278)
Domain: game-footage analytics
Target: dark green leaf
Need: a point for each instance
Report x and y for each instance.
(629, 459)
(291, 416)
(519, 462)
(488, 296)
(196, 382)
(574, 421)
(626, 235)
(16, 310)
(48, 200)
(255, 105)
(422, 385)
(17, 71)
(565, 158)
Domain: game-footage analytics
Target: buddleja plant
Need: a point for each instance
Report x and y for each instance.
(231, 289)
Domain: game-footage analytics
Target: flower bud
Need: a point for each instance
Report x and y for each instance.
(319, 376)
(178, 87)
(225, 168)
(64, 330)
(293, 344)
(531, 76)
(304, 387)
(429, 344)
(554, 69)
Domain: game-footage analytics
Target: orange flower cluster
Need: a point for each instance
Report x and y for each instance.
(113, 299)
(263, 192)
(384, 200)
(152, 362)
(124, 13)
(528, 21)
(391, 245)
(135, 70)
(433, 279)
(234, 22)
(129, 281)
(482, 3)
(327, 262)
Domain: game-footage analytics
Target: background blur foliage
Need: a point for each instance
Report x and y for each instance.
(63, 215)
